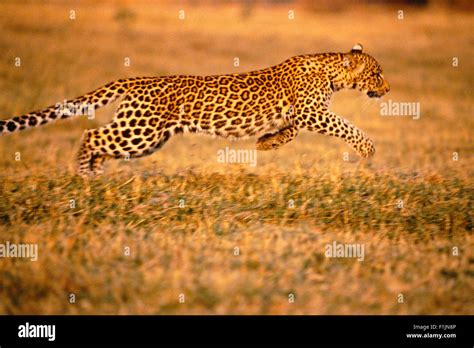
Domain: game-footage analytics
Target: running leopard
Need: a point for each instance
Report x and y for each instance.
(272, 104)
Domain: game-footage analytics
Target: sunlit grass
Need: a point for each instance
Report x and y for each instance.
(234, 238)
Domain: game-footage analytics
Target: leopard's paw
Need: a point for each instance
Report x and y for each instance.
(268, 142)
(367, 149)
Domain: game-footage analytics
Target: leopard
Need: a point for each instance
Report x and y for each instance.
(272, 104)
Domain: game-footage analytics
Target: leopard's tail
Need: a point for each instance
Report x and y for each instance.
(83, 105)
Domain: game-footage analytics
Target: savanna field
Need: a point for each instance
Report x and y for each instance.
(179, 232)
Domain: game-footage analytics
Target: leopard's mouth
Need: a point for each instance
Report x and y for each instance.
(375, 94)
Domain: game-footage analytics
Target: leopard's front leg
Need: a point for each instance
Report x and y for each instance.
(275, 140)
(326, 122)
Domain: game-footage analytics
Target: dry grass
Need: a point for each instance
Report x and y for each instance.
(190, 250)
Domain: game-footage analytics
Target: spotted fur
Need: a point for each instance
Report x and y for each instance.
(272, 104)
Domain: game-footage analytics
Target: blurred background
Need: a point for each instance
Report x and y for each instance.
(68, 48)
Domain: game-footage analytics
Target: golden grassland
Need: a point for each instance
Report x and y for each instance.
(191, 249)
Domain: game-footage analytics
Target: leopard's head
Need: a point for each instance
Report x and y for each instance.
(364, 73)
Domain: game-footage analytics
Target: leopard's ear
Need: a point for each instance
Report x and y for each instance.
(359, 68)
(353, 64)
(357, 48)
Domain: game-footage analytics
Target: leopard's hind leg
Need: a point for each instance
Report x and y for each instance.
(111, 142)
(90, 158)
